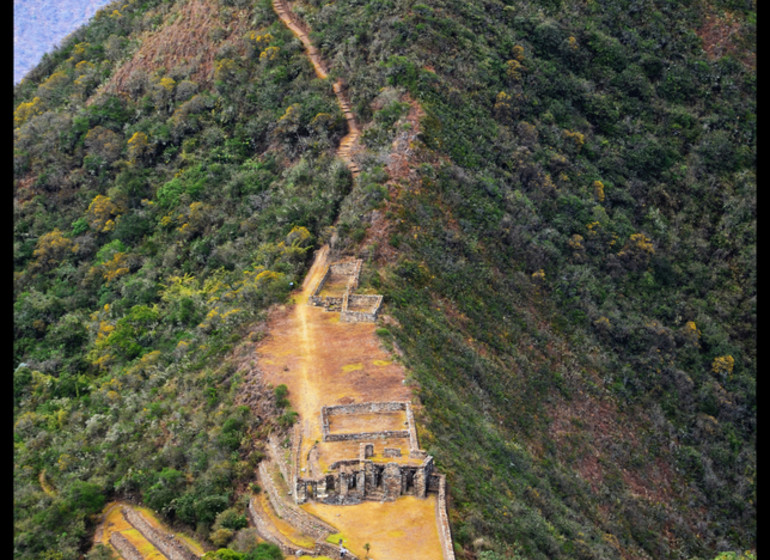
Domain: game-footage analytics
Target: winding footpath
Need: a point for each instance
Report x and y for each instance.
(345, 149)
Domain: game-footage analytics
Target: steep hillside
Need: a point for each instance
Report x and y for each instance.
(157, 217)
(571, 265)
(558, 201)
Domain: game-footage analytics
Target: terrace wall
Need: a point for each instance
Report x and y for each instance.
(124, 547)
(167, 544)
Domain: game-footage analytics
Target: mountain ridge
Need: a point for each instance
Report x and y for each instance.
(567, 258)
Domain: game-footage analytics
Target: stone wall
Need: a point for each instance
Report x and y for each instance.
(295, 516)
(327, 302)
(413, 445)
(442, 519)
(357, 436)
(353, 308)
(267, 532)
(314, 298)
(351, 481)
(351, 269)
(296, 446)
(331, 550)
(167, 544)
(360, 308)
(124, 547)
(367, 408)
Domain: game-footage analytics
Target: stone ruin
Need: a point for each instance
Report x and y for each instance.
(335, 293)
(350, 481)
(366, 477)
(385, 478)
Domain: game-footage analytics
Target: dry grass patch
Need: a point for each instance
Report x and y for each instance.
(287, 530)
(396, 530)
(185, 36)
(367, 422)
(145, 547)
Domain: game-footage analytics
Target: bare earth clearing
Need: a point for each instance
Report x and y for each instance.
(325, 362)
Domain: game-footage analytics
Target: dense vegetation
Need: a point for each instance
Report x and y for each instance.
(153, 227)
(570, 267)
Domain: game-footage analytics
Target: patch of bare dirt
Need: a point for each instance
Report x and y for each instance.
(720, 35)
(394, 530)
(596, 432)
(25, 190)
(185, 38)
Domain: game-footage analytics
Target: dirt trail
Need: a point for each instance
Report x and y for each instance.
(324, 362)
(345, 149)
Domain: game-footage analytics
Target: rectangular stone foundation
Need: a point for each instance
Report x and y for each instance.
(335, 293)
(367, 409)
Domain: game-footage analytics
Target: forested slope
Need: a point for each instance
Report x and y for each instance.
(162, 203)
(568, 260)
(575, 275)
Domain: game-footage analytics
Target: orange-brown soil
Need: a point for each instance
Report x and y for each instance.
(719, 34)
(325, 362)
(394, 530)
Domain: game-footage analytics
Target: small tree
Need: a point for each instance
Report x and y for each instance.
(281, 393)
(51, 248)
(137, 146)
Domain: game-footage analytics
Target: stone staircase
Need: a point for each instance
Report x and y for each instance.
(345, 149)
